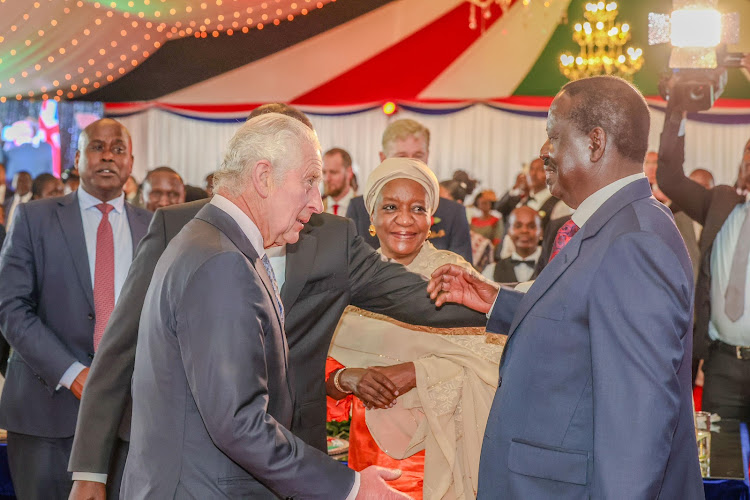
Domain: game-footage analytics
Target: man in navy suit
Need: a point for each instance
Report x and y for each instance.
(594, 397)
(62, 267)
(450, 229)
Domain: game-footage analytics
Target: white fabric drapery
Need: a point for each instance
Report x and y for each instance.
(490, 144)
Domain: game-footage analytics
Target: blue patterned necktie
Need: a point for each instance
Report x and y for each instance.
(272, 275)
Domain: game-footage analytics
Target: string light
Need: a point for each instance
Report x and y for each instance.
(224, 19)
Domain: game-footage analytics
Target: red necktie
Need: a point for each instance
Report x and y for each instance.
(564, 234)
(104, 273)
(336, 209)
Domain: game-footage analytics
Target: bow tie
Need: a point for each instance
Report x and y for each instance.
(529, 263)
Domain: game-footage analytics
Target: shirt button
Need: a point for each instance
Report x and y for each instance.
(499, 382)
(91, 316)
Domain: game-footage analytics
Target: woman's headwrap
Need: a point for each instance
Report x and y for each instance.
(402, 168)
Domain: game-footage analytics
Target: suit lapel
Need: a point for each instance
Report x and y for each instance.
(71, 222)
(299, 262)
(138, 227)
(224, 223)
(634, 191)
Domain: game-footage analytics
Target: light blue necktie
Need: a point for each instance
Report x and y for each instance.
(272, 275)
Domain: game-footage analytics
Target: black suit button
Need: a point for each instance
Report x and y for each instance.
(91, 355)
(499, 382)
(91, 316)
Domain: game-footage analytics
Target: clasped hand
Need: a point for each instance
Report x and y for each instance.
(379, 386)
(452, 283)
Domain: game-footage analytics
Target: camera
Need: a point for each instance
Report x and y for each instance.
(696, 89)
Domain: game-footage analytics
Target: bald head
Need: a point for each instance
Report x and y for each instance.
(703, 177)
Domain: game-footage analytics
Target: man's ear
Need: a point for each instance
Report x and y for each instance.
(382, 156)
(597, 143)
(262, 178)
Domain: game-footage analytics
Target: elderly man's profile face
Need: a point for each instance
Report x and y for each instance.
(293, 201)
(565, 151)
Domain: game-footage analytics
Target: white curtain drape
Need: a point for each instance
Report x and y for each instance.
(490, 144)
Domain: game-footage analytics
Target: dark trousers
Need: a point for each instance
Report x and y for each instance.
(39, 466)
(726, 388)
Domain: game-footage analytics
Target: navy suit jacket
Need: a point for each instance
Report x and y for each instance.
(449, 232)
(47, 312)
(595, 395)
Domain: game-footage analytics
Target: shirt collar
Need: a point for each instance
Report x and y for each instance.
(344, 200)
(591, 204)
(87, 201)
(534, 256)
(541, 196)
(246, 224)
(24, 198)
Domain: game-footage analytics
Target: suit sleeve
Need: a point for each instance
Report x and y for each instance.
(506, 204)
(639, 315)
(108, 385)
(39, 346)
(388, 288)
(690, 196)
(460, 238)
(222, 325)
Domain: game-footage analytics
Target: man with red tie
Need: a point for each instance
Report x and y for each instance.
(62, 268)
(337, 176)
(594, 397)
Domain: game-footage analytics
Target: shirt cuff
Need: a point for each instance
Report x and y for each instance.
(90, 476)
(355, 488)
(70, 375)
(489, 313)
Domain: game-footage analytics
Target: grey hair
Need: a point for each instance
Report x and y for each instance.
(274, 137)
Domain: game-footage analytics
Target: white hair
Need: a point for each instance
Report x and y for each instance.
(273, 137)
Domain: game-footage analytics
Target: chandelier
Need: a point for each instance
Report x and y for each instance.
(602, 46)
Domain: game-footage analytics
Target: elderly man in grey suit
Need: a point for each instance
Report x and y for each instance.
(61, 268)
(212, 390)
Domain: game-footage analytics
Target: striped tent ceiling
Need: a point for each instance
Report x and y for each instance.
(309, 52)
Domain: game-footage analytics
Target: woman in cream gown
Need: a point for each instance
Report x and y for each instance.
(446, 378)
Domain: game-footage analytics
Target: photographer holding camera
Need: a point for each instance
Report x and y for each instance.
(722, 306)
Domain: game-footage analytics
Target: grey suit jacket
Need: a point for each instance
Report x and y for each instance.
(212, 398)
(329, 268)
(595, 392)
(47, 312)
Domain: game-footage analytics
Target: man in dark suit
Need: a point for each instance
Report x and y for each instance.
(722, 322)
(450, 229)
(22, 182)
(211, 377)
(329, 268)
(5, 191)
(62, 268)
(525, 232)
(605, 331)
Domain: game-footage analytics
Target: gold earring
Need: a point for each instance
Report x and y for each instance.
(371, 230)
(429, 232)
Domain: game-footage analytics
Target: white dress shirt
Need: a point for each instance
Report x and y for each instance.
(721, 327)
(123, 240)
(343, 204)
